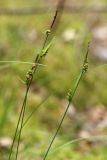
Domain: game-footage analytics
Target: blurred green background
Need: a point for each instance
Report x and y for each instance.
(21, 38)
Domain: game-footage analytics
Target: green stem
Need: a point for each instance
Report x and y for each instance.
(35, 109)
(84, 69)
(60, 124)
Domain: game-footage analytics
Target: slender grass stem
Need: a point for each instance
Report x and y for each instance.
(66, 144)
(21, 117)
(35, 109)
(17, 127)
(60, 124)
(56, 133)
(23, 113)
(29, 77)
(21, 62)
(70, 98)
(24, 107)
(90, 138)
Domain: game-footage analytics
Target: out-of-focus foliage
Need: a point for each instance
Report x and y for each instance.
(20, 39)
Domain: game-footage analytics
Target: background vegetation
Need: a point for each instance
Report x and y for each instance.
(20, 38)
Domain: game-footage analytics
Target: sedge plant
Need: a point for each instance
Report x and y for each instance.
(30, 75)
(70, 96)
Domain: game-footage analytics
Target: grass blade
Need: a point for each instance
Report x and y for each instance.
(35, 109)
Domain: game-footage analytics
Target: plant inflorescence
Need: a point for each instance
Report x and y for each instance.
(70, 96)
(30, 74)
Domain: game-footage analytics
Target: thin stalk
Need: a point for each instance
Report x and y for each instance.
(60, 124)
(90, 138)
(29, 77)
(23, 113)
(21, 62)
(35, 109)
(17, 127)
(24, 107)
(70, 98)
(66, 144)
